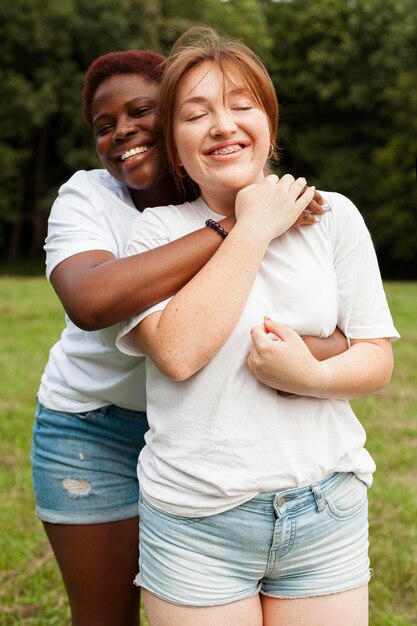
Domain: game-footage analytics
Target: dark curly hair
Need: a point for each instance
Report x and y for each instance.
(145, 63)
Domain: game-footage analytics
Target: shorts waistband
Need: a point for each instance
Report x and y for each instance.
(298, 497)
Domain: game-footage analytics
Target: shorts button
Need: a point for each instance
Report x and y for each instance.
(280, 501)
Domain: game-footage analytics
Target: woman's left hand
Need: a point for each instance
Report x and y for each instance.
(282, 360)
(316, 208)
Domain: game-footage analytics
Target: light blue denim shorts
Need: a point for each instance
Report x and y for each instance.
(84, 464)
(294, 543)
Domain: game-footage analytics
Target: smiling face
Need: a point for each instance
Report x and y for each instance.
(221, 134)
(126, 130)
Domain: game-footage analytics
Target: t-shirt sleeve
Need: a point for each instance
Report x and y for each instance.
(76, 222)
(149, 232)
(363, 311)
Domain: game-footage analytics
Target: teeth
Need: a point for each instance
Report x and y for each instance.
(228, 150)
(133, 152)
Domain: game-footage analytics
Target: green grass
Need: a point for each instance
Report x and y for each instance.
(31, 592)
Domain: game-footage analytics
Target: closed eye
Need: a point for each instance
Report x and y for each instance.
(195, 117)
(143, 111)
(103, 130)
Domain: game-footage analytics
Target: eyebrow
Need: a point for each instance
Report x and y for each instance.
(201, 100)
(128, 103)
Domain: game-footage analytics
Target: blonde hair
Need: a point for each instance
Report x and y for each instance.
(197, 45)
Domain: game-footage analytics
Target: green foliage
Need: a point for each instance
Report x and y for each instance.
(31, 591)
(345, 73)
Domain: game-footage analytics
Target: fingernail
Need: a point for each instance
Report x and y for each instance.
(326, 207)
(266, 318)
(317, 218)
(313, 188)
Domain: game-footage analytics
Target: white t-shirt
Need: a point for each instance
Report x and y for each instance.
(221, 437)
(85, 371)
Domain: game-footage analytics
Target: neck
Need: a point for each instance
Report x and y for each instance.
(222, 203)
(222, 200)
(162, 194)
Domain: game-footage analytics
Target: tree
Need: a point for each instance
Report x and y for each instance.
(345, 76)
(46, 47)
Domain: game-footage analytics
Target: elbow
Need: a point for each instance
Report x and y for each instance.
(177, 369)
(86, 316)
(386, 378)
(388, 369)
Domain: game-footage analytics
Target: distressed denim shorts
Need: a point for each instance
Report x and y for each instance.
(84, 464)
(294, 543)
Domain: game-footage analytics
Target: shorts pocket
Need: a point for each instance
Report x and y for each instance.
(50, 416)
(347, 498)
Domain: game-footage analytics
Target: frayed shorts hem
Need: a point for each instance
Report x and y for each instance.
(314, 594)
(199, 605)
(92, 517)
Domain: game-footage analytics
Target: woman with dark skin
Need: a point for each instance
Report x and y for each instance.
(89, 429)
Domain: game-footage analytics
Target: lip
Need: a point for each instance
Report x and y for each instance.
(224, 145)
(135, 160)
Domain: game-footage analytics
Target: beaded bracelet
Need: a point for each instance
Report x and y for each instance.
(218, 227)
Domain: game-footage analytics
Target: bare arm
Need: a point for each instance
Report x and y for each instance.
(289, 366)
(198, 320)
(98, 290)
(325, 348)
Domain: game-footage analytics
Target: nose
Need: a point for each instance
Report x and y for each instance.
(124, 128)
(224, 124)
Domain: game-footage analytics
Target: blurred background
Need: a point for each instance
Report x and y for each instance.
(345, 72)
(346, 76)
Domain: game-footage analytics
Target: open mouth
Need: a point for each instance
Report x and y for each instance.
(227, 149)
(129, 155)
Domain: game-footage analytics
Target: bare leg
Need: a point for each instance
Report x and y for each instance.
(245, 612)
(349, 608)
(98, 563)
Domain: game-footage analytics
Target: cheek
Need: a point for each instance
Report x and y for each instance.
(183, 147)
(101, 148)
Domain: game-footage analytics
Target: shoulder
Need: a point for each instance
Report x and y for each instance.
(171, 221)
(344, 218)
(95, 182)
(342, 208)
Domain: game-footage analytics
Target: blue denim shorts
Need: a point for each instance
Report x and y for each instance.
(294, 543)
(84, 464)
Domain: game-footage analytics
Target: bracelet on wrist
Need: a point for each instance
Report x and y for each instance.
(217, 227)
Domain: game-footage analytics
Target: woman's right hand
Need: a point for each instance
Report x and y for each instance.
(273, 205)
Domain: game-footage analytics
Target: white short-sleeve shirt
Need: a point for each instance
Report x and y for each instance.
(221, 437)
(85, 371)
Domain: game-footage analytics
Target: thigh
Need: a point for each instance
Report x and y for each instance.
(245, 612)
(98, 563)
(349, 608)
(84, 465)
(203, 561)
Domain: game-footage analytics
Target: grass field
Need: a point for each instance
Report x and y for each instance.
(31, 592)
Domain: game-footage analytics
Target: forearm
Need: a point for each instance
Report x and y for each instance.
(325, 348)
(200, 318)
(288, 365)
(365, 368)
(98, 290)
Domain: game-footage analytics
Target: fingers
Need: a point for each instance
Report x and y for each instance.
(282, 332)
(316, 205)
(306, 218)
(259, 336)
(305, 199)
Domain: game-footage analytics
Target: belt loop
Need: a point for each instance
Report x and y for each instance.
(318, 496)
